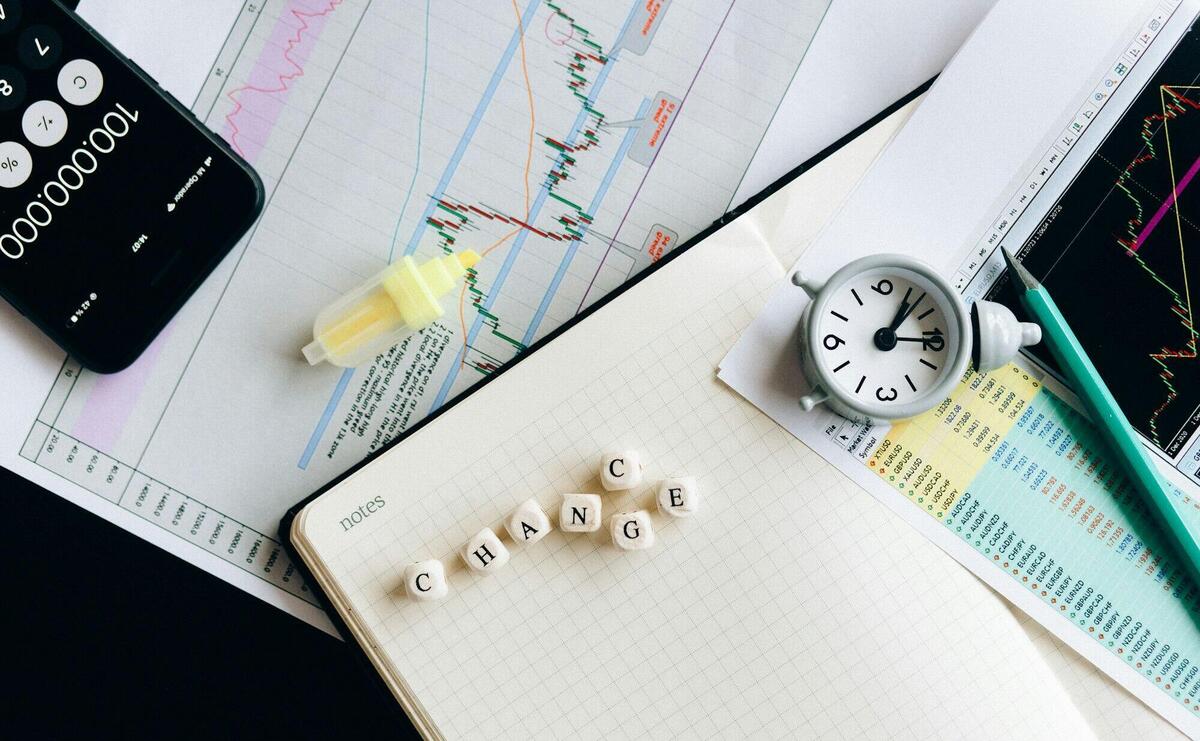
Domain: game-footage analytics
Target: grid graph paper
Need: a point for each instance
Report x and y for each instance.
(793, 604)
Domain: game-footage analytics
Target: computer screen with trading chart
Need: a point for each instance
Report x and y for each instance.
(1117, 252)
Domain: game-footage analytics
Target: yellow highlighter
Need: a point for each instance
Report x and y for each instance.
(403, 298)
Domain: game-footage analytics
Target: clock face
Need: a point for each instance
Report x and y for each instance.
(887, 336)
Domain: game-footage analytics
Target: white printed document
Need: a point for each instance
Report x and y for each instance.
(572, 143)
(1085, 175)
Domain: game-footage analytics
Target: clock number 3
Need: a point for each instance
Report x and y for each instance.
(879, 394)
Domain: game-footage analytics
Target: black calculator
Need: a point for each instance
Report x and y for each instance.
(115, 201)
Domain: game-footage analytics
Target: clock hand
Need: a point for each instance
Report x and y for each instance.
(901, 312)
(932, 340)
(885, 337)
(905, 310)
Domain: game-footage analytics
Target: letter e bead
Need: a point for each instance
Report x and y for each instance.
(484, 552)
(425, 580)
(580, 513)
(678, 497)
(528, 523)
(632, 531)
(620, 471)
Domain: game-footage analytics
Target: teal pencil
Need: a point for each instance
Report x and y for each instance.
(1107, 416)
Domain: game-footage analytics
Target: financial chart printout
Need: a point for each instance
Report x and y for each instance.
(570, 142)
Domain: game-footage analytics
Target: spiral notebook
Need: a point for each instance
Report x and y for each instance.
(791, 605)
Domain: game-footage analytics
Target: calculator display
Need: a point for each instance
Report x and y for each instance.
(114, 202)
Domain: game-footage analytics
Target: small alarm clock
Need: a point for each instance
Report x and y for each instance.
(886, 337)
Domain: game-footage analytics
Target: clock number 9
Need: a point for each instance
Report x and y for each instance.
(833, 342)
(879, 394)
(883, 287)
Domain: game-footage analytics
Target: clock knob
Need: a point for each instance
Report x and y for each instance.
(998, 336)
(811, 287)
(809, 401)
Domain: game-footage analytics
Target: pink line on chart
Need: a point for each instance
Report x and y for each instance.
(1166, 205)
(112, 399)
(251, 121)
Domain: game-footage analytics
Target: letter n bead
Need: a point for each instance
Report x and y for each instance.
(632, 531)
(484, 553)
(579, 513)
(425, 580)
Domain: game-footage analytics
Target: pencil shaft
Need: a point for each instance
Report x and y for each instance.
(1115, 428)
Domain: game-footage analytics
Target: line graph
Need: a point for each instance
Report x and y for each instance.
(1114, 251)
(1174, 105)
(293, 37)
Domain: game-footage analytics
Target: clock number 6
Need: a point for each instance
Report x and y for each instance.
(833, 342)
(879, 394)
(883, 287)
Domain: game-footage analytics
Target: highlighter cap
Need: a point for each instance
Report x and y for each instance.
(403, 298)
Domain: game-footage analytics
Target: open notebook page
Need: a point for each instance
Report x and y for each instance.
(793, 604)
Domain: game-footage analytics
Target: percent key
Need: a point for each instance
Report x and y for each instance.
(15, 164)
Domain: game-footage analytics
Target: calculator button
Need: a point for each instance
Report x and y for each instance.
(39, 47)
(44, 123)
(80, 82)
(10, 15)
(16, 164)
(12, 88)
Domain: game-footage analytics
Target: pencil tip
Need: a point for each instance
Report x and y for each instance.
(1020, 275)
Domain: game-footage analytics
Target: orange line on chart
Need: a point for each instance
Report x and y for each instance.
(462, 296)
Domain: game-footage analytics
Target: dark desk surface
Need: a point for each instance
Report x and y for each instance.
(115, 636)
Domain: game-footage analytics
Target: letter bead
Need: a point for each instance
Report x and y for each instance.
(580, 513)
(632, 531)
(528, 523)
(425, 581)
(484, 553)
(620, 471)
(679, 497)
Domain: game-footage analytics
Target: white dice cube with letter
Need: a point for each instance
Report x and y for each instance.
(580, 513)
(484, 552)
(632, 531)
(426, 580)
(678, 497)
(528, 523)
(620, 470)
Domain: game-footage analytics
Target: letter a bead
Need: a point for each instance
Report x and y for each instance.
(528, 523)
(425, 580)
(580, 513)
(678, 497)
(632, 531)
(620, 471)
(484, 553)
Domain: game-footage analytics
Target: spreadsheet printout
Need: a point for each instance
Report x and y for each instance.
(1007, 475)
